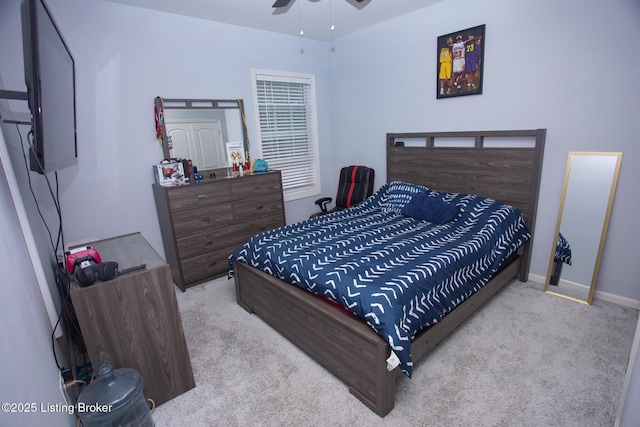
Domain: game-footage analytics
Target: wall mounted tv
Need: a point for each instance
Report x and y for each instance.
(49, 72)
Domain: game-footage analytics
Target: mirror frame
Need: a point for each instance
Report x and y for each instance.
(162, 104)
(605, 225)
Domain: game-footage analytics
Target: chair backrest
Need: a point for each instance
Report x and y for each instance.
(355, 185)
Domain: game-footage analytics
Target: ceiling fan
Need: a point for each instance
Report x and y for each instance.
(284, 3)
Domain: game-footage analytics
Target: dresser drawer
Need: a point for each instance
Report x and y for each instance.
(191, 221)
(255, 185)
(229, 235)
(259, 225)
(205, 265)
(257, 206)
(197, 195)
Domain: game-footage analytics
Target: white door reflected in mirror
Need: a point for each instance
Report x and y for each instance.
(201, 130)
(200, 141)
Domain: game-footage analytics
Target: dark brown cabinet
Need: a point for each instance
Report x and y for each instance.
(133, 321)
(201, 224)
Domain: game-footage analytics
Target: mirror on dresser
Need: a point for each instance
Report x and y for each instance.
(585, 208)
(202, 130)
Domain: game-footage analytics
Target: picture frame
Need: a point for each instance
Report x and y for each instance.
(235, 152)
(460, 63)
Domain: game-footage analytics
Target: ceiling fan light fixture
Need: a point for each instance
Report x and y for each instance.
(333, 27)
(300, 19)
(287, 3)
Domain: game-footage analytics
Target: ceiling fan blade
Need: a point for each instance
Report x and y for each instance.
(283, 3)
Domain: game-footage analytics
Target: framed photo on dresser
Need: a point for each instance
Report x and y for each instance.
(460, 63)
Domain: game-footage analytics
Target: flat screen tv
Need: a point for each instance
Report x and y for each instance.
(49, 72)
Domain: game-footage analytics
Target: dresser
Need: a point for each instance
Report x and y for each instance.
(133, 321)
(203, 223)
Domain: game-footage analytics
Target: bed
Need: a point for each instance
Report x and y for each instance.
(561, 256)
(563, 250)
(459, 168)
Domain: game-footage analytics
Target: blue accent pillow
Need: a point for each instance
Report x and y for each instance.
(399, 194)
(432, 209)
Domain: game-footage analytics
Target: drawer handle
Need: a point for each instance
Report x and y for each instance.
(201, 196)
(205, 219)
(260, 207)
(213, 263)
(209, 243)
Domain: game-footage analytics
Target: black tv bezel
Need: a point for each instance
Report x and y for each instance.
(39, 161)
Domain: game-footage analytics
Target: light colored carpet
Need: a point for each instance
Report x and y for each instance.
(524, 359)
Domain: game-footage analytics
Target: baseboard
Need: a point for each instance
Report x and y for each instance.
(604, 296)
(537, 278)
(624, 301)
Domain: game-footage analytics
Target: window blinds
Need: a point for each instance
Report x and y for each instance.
(286, 117)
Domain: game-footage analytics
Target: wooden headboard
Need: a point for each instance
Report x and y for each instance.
(504, 165)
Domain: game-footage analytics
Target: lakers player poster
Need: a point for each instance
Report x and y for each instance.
(460, 63)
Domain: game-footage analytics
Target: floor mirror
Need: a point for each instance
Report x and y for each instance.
(583, 218)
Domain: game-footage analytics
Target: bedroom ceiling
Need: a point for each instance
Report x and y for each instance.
(348, 15)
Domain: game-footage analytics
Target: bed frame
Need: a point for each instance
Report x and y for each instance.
(348, 347)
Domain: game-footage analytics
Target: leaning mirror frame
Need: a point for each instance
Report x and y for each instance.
(609, 185)
(191, 111)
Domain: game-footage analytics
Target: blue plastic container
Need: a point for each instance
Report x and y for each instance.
(115, 398)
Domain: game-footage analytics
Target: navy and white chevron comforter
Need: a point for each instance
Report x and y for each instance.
(563, 250)
(398, 273)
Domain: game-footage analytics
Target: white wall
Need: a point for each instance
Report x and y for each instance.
(628, 409)
(568, 66)
(30, 374)
(26, 346)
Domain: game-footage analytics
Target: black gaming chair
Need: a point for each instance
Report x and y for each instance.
(354, 186)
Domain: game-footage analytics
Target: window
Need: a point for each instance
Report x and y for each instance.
(287, 129)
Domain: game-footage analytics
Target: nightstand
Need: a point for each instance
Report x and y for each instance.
(133, 321)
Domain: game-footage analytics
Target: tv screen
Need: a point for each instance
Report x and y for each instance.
(49, 71)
